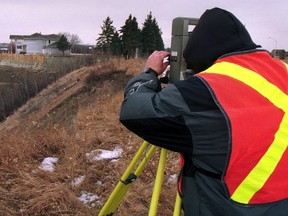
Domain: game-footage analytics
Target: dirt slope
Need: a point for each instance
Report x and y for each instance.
(74, 116)
(48, 99)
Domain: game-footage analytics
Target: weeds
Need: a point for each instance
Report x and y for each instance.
(90, 125)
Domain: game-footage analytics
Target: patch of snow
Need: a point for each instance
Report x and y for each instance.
(88, 198)
(99, 182)
(100, 154)
(48, 164)
(77, 181)
(172, 178)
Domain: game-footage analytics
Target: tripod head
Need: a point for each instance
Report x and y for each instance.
(181, 28)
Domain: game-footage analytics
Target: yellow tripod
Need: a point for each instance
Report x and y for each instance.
(129, 177)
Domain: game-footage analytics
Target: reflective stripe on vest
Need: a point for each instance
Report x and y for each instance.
(264, 168)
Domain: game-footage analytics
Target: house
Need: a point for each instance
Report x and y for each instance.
(35, 44)
(278, 53)
(4, 47)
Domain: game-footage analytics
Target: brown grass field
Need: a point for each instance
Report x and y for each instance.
(74, 116)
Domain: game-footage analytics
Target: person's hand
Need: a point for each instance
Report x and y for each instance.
(156, 61)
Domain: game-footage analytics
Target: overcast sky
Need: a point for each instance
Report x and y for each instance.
(266, 20)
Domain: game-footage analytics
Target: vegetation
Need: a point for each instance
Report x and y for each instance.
(74, 116)
(18, 85)
(131, 37)
(130, 41)
(151, 36)
(63, 44)
(116, 45)
(106, 37)
(76, 43)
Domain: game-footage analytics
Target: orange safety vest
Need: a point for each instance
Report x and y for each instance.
(252, 91)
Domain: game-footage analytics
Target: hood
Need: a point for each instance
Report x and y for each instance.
(218, 32)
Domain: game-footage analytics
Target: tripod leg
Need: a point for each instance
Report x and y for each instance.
(126, 180)
(177, 206)
(158, 183)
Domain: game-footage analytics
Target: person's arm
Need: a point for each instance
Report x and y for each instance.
(148, 79)
(156, 115)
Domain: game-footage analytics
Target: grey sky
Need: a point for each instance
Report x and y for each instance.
(265, 19)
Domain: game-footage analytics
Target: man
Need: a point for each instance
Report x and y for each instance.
(229, 121)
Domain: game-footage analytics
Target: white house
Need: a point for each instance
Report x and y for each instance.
(4, 47)
(35, 44)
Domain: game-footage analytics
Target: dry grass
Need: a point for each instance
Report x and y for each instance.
(84, 122)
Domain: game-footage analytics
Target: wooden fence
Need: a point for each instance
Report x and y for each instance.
(27, 58)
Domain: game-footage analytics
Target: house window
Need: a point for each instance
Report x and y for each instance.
(19, 47)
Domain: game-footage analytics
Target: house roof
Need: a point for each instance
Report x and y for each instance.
(4, 45)
(35, 36)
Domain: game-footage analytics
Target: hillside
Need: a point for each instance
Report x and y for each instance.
(68, 125)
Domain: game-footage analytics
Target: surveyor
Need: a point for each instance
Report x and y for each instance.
(229, 121)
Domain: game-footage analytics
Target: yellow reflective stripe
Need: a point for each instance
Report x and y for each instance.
(257, 177)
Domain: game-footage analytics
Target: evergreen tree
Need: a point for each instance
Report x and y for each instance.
(104, 40)
(116, 44)
(131, 37)
(63, 44)
(151, 36)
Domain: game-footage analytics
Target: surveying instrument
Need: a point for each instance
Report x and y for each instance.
(181, 28)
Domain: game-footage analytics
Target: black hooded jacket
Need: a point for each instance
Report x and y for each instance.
(217, 33)
(183, 117)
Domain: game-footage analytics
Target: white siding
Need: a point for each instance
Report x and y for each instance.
(34, 46)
